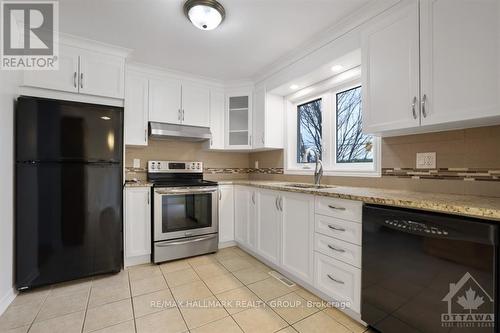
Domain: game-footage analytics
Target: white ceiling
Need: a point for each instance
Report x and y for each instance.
(255, 33)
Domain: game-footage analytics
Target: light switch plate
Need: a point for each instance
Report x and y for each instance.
(426, 160)
(137, 163)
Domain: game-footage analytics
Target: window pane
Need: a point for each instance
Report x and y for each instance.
(352, 145)
(309, 129)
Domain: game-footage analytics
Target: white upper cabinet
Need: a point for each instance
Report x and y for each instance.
(136, 109)
(82, 71)
(101, 74)
(239, 121)
(195, 105)
(66, 78)
(217, 99)
(460, 60)
(390, 60)
(432, 65)
(165, 100)
(267, 121)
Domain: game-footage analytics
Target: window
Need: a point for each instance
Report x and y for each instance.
(329, 126)
(352, 146)
(309, 131)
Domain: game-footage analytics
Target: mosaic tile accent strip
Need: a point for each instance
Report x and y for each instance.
(268, 171)
(466, 174)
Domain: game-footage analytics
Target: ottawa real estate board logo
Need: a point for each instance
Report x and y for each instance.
(469, 305)
(29, 35)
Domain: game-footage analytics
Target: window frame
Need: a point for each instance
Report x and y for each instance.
(329, 138)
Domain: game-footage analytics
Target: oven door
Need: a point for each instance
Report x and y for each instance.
(185, 212)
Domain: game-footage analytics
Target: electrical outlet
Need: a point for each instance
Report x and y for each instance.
(426, 160)
(137, 163)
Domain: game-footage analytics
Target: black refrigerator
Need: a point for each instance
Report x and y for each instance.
(68, 222)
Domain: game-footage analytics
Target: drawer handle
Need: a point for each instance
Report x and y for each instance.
(336, 208)
(335, 249)
(335, 280)
(336, 228)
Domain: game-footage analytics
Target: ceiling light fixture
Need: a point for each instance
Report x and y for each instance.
(204, 14)
(337, 68)
(294, 87)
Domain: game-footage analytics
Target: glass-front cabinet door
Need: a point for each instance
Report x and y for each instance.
(239, 121)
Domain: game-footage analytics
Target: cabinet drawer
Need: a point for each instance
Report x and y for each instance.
(335, 248)
(341, 229)
(338, 280)
(343, 209)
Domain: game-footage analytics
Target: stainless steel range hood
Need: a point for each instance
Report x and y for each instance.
(179, 132)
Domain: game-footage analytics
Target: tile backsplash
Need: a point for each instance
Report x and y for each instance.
(468, 162)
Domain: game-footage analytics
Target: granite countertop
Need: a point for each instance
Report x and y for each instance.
(138, 183)
(464, 205)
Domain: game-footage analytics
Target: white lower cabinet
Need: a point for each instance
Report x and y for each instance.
(268, 225)
(244, 216)
(297, 230)
(338, 280)
(226, 213)
(137, 226)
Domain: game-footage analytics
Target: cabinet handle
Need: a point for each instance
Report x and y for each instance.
(182, 114)
(220, 195)
(336, 208)
(335, 280)
(336, 228)
(335, 249)
(424, 100)
(148, 198)
(75, 77)
(262, 139)
(179, 114)
(145, 134)
(250, 139)
(280, 202)
(81, 80)
(413, 106)
(276, 203)
(253, 198)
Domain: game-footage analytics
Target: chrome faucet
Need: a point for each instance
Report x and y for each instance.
(318, 172)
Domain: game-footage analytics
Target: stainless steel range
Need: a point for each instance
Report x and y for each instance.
(185, 210)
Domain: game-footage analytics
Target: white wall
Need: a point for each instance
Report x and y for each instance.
(9, 82)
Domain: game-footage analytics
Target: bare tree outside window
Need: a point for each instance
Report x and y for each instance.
(352, 145)
(309, 131)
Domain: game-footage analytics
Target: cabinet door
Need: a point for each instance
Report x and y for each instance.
(242, 199)
(297, 235)
(102, 74)
(195, 105)
(165, 101)
(259, 119)
(136, 109)
(252, 220)
(460, 55)
(268, 225)
(226, 213)
(239, 121)
(390, 60)
(137, 222)
(63, 79)
(217, 119)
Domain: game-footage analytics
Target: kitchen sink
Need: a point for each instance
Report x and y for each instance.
(309, 186)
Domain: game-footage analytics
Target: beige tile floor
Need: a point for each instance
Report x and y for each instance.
(225, 292)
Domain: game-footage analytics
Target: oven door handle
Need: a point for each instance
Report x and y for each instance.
(198, 239)
(185, 191)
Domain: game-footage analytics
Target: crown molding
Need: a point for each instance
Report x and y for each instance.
(349, 23)
(93, 45)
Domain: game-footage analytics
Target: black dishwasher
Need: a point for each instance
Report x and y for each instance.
(428, 272)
